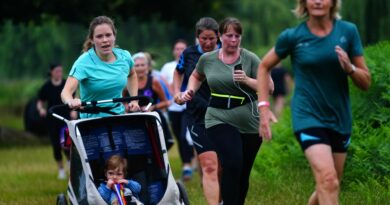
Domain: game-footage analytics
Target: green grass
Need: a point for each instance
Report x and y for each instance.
(28, 176)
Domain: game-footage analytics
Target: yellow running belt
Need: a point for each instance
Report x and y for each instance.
(229, 96)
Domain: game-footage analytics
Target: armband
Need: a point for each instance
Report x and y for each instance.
(263, 104)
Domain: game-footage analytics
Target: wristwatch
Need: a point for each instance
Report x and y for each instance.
(352, 70)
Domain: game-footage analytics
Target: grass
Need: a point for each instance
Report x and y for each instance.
(28, 176)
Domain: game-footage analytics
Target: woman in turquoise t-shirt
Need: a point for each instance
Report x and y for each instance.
(324, 52)
(102, 71)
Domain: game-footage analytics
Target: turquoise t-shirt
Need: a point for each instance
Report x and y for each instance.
(100, 80)
(321, 96)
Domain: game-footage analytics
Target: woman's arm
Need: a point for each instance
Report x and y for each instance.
(263, 76)
(357, 69)
(41, 108)
(194, 84)
(177, 81)
(132, 83)
(132, 88)
(157, 88)
(70, 87)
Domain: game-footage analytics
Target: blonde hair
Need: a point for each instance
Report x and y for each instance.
(301, 11)
(94, 23)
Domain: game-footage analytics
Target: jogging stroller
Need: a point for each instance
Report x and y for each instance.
(136, 136)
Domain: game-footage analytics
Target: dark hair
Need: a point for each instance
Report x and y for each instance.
(230, 22)
(179, 41)
(206, 23)
(96, 22)
(53, 65)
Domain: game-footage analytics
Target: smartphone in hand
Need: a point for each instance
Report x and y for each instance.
(238, 67)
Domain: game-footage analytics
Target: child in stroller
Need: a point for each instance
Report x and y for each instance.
(137, 137)
(115, 169)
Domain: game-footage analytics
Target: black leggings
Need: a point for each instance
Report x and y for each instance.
(179, 125)
(55, 127)
(236, 153)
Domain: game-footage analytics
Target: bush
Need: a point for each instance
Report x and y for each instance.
(370, 148)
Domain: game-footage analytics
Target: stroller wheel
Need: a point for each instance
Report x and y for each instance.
(183, 194)
(61, 200)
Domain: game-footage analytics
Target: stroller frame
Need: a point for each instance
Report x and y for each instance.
(95, 139)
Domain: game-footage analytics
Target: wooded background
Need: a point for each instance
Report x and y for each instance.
(35, 33)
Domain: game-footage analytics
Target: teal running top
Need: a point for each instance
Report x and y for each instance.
(100, 80)
(321, 96)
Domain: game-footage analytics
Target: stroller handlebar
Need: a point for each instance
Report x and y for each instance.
(143, 100)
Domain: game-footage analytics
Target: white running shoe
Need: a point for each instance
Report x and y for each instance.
(61, 174)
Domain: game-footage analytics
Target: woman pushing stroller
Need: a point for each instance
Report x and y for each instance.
(101, 71)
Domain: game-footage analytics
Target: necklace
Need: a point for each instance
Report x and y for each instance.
(230, 65)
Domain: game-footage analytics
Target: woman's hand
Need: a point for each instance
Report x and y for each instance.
(344, 60)
(181, 98)
(42, 112)
(266, 116)
(133, 106)
(240, 76)
(74, 103)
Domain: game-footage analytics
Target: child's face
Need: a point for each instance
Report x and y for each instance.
(115, 174)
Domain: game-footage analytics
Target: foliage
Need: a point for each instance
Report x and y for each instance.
(370, 150)
(27, 51)
(74, 11)
(14, 94)
(264, 20)
(53, 31)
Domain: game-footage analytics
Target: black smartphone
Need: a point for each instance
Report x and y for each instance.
(238, 67)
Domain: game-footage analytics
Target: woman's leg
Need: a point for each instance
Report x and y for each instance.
(339, 161)
(228, 144)
(209, 164)
(323, 165)
(208, 161)
(250, 146)
(54, 133)
(179, 128)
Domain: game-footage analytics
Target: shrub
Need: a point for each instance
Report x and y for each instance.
(369, 153)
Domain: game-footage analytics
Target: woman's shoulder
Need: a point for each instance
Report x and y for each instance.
(345, 24)
(211, 54)
(190, 50)
(293, 33)
(122, 53)
(249, 54)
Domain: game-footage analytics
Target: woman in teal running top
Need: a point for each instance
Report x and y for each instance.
(324, 52)
(102, 71)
